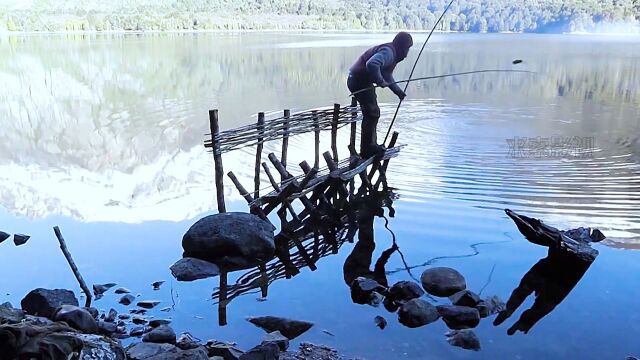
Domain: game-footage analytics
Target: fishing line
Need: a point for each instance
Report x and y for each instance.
(414, 67)
(443, 76)
(397, 248)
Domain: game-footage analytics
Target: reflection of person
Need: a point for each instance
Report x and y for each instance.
(376, 65)
(551, 279)
(359, 261)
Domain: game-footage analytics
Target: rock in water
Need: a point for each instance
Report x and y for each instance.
(264, 351)
(156, 285)
(190, 269)
(142, 351)
(137, 331)
(489, 306)
(100, 289)
(148, 304)
(363, 289)
(161, 335)
(122, 290)
(186, 341)
(405, 290)
(417, 312)
(380, 322)
(310, 351)
(442, 281)
(126, 299)
(107, 328)
(465, 298)
(77, 317)
(44, 302)
(111, 317)
(4, 236)
(277, 338)
(231, 240)
(459, 317)
(466, 339)
(287, 327)
(157, 322)
(9, 315)
(20, 239)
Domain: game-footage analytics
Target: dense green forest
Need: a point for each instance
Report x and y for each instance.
(464, 15)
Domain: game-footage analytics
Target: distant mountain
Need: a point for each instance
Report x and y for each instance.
(549, 16)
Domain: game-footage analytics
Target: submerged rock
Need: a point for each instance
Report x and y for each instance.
(287, 327)
(162, 334)
(405, 290)
(4, 236)
(122, 290)
(417, 312)
(465, 298)
(148, 304)
(489, 306)
(157, 322)
(111, 316)
(277, 338)
(20, 239)
(380, 322)
(77, 317)
(442, 281)
(44, 302)
(363, 289)
(190, 269)
(459, 317)
(264, 351)
(137, 331)
(126, 299)
(156, 285)
(138, 320)
(100, 289)
(224, 350)
(231, 240)
(466, 339)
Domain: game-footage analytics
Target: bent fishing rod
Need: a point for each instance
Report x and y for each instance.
(414, 67)
(440, 77)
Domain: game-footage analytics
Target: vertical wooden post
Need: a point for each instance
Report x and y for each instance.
(285, 138)
(222, 300)
(354, 124)
(217, 159)
(264, 279)
(256, 178)
(334, 131)
(316, 126)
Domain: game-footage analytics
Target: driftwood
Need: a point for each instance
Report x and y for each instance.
(575, 241)
(72, 264)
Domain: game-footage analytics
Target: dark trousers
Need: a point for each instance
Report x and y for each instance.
(370, 110)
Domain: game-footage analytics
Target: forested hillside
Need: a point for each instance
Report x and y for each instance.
(464, 15)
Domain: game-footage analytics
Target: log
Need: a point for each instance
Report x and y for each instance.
(217, 159)
(72, 264)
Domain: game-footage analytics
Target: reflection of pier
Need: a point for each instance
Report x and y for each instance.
(314, 208)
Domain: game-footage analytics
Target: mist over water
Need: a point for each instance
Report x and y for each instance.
(103, 135)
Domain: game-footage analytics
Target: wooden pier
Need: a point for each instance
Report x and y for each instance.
(313, 208)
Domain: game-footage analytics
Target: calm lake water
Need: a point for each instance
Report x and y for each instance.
(103, 136)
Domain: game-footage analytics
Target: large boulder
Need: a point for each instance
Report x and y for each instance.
(459, 317)
(442, 281)
(77, 317)
(44, 302)
(163, 334)
(466, 339)
(287, 327)
(9, 315)
(190, 269)
(417, 312)
(232, 241)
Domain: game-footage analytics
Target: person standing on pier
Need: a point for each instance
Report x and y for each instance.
(376, 65)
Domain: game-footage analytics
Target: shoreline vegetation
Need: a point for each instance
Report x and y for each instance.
(495, 16)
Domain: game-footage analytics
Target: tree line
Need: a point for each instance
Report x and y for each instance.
(464, 15)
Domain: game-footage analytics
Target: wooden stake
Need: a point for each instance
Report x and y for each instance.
(217, 159)
(256, 178)
(285, 138)
(334, 131)
(72, 264)
(316, 126)
(222, 300)
(245, 194)
(354, 125)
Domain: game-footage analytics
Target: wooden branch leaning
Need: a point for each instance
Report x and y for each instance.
(72, 264)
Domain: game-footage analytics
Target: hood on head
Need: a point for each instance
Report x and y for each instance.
(402, 43)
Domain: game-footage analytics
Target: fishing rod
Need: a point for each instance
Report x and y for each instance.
(443, 76)
(414, 67)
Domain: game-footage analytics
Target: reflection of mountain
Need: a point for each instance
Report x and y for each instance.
(110, 127)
